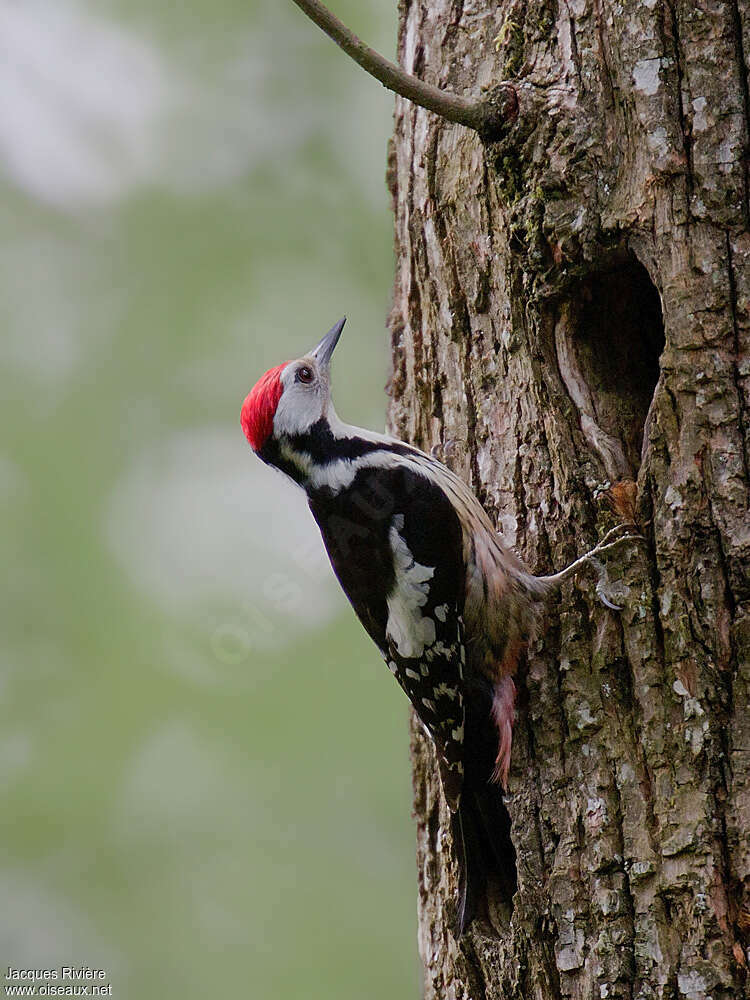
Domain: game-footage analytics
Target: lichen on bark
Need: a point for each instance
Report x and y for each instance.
(527, 348)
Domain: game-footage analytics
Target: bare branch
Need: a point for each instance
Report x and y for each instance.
(486, 115)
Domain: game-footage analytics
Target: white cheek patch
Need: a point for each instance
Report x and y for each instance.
(408, 629)
(300, 405)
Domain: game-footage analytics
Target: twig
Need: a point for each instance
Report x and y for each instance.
(485, 115)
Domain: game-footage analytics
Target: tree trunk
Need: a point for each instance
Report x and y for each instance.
(571, 312)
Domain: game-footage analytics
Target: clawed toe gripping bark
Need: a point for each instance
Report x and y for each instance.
(611, 541)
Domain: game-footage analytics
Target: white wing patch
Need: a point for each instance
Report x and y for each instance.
(408, 629)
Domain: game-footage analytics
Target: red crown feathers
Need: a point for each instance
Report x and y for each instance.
(260, 406)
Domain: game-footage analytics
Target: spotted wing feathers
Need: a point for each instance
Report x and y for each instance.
(425, 653)
(395, 545)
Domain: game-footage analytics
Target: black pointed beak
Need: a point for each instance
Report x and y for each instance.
(326, 347)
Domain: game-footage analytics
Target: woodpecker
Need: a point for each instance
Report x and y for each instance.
(447, 602)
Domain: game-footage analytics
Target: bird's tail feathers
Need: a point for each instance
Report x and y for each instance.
(485, 853)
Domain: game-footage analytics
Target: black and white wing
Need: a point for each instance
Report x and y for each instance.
(395, 544)
(425, 652)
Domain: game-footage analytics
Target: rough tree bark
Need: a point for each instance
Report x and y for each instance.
(557, 292)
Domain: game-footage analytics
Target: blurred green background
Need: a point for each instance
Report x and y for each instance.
(203, 763)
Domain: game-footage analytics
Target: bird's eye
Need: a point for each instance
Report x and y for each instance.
(305, 374)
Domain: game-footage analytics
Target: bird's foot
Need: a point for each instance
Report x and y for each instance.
(605, 590)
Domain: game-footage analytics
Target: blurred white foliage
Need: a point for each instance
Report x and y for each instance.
(91, 109)
(15, 752)
(200, 522)
(81, 102)
(13, 480)
(40, 928)
(55, 308)
(170, 783)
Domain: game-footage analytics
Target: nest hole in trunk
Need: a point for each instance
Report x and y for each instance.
(609, 337)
